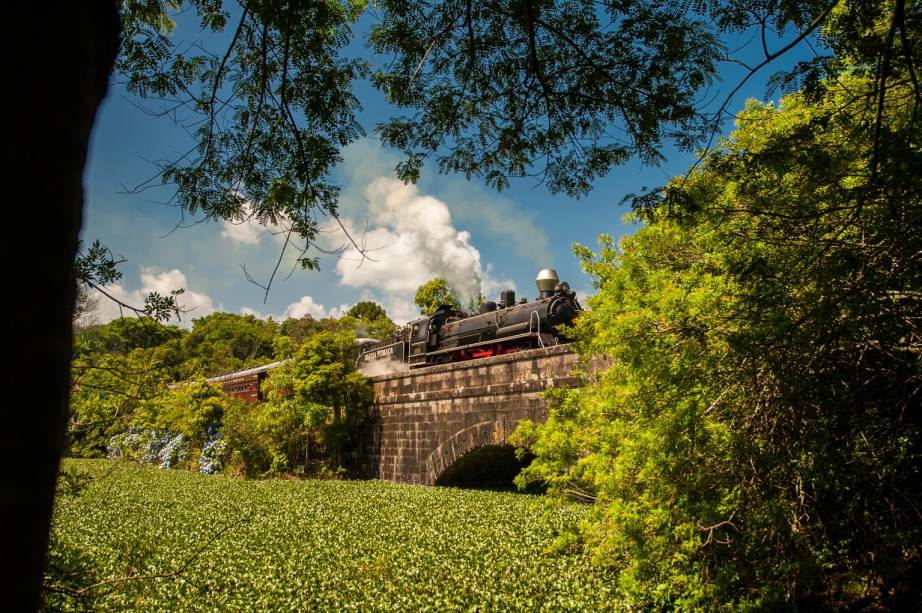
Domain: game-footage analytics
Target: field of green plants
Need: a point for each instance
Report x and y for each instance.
(141, 538)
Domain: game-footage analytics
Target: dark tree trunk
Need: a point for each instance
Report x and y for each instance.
(59, 56)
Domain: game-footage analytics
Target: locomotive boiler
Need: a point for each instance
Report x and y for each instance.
(499, 327)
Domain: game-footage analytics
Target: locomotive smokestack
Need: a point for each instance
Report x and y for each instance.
(546, 281)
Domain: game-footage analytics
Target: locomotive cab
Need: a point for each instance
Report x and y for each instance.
(419, 340)
(424, 334)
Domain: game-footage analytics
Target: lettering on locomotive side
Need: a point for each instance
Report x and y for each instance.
(380, 353)
(394, 352)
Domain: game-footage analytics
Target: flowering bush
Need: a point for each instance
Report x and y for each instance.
(212, 459)
(174, 451)
(165, 449)
(127, 445)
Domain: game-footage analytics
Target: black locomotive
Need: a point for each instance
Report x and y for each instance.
(449, 335)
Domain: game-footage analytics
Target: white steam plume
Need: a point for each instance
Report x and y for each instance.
(412, 240)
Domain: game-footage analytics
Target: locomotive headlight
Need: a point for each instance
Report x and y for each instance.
(546, 281)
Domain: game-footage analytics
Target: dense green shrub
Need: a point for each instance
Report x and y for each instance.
(757, 440)
(192, 408)
(315, 410)
(267, 438)
(107, 390)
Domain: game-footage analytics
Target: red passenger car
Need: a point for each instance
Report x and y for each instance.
(245, 384)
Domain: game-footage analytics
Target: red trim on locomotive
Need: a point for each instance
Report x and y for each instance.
(487, 351)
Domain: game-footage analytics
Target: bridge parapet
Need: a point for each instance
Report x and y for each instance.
(424, 420)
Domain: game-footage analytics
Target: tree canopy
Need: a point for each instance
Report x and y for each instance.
(563, 91)
(314, 413)
(367, 310)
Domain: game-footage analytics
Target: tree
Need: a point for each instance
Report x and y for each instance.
(434, 293)
(764, 338)
(372, 320)
(127, 333)
(275, 108)
(66, 53)
(299, 330)
(315, 410)
(324, 378)
(118, 369)
(108, 389)
(367, 310)
(223, 342)
(534, 88)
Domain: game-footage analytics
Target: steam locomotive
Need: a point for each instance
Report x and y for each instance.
(448, 335)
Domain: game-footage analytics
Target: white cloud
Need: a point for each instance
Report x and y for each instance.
(412, 240)
(247, 232)
(307, 306)
(296, 310)
(196, 304)
(501, 218)
(469, 202)
(363, 161)
(491, 286)
(245, 229)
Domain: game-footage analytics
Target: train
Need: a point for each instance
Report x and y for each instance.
(450, 335)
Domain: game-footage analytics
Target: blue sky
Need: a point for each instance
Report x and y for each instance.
(445, 225)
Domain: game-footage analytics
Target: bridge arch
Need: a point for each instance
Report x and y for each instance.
(493, 466)
(464, 444)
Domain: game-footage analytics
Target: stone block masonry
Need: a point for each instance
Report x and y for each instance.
(424, 420)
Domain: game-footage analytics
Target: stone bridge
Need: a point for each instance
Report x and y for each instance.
(427, 423)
